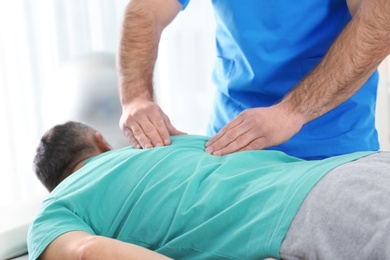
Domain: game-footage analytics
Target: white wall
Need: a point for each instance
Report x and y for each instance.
(36, 38)
(183, 83)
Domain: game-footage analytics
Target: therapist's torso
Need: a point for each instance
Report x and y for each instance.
(264, 48)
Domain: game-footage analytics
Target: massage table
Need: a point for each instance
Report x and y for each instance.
(14, 222)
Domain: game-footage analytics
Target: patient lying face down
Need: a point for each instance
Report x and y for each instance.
(180, 202)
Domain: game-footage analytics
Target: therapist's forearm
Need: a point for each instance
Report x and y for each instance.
(350, 61)
(137, 53)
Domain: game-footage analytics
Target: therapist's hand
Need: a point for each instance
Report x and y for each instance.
(146, 125)
(255, 129)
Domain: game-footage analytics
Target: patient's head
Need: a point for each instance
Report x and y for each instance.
(62, 148)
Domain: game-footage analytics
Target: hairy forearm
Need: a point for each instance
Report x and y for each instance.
(137, 53)
(350, 61)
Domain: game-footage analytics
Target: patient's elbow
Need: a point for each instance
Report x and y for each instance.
(88, 249)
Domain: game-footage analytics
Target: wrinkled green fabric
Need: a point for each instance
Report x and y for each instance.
(183, 202)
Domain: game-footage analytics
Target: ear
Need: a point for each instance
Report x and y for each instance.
(101, 143)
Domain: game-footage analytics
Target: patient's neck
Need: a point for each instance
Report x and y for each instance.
(79, 165)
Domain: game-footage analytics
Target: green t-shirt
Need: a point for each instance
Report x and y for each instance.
(183, 202)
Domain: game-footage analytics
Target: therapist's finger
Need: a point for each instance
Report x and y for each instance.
(221, 134)
(159, 136)
(257, 144)
(236, 145)
(140, 132)
(247, 141)
(226, 135)
(150, 137)
(145, 126)
(133, 141)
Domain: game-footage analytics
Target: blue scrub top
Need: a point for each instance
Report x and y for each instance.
(264, 48)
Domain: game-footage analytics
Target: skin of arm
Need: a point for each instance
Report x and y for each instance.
(353, 57)
(82, 245)
(143, 121)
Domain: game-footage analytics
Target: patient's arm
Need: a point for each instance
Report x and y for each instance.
(82, 245)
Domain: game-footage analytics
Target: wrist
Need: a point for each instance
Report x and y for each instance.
(291, 114)
(128, 99)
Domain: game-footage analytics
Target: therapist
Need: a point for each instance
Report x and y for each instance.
(300, 78)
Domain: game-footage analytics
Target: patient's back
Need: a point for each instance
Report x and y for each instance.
(182, 201)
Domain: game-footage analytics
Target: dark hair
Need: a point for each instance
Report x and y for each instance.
(60, 150)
